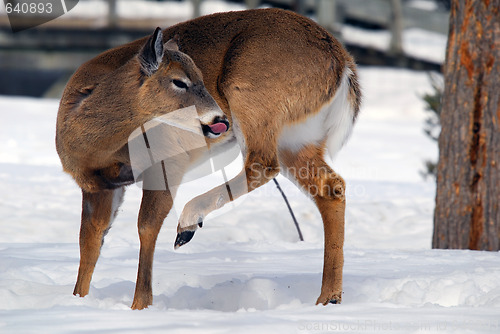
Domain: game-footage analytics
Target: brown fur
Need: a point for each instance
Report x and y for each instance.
(266, 69)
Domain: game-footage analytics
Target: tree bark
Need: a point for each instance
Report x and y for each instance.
(467, 214)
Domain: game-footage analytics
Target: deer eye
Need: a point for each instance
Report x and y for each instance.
(180, 84)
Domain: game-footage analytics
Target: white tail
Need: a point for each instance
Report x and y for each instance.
(287, 92)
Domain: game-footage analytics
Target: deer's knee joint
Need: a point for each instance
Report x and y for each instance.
(334, 187)
(147, 230)
(259, 173)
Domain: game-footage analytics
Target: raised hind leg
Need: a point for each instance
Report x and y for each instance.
(98, 210)
(260, 166)
(308, 169)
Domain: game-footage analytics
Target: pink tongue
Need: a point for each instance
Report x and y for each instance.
(218, 128)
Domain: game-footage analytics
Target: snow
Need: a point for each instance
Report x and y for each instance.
(180, 10)
(419, 43)
(245, 271)
(428, 5)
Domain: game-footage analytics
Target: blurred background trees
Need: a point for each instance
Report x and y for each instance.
(38, 61)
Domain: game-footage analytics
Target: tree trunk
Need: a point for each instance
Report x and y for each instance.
(396, 25)
(467, 213)
(112, 14)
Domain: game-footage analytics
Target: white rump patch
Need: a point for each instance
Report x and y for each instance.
(334, 122)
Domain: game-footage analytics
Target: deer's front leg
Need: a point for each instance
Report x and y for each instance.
(155, 207)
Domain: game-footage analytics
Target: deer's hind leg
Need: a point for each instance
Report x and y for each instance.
(260, 165)
(308, 169)
(98, 210)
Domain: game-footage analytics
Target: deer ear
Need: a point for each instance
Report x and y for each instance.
(173, 44)
(151, 54)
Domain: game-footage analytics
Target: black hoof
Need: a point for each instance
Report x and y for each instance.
(334, 301)
(183, 238)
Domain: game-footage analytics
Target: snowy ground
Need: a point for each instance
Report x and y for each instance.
(246, 271)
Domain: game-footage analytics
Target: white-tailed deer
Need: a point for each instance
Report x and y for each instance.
(276, 83)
